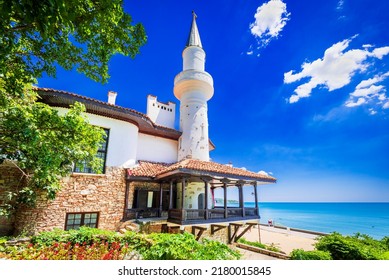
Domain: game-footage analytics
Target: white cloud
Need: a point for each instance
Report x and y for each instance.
(366, 46)
(339, 9)
(360, 101)
(372, 81)
(270, 19)
(334, 70)
(381, 52)
(263, 173)
(340, 5)
(368, 91)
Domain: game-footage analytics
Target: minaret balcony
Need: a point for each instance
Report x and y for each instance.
(193, 81)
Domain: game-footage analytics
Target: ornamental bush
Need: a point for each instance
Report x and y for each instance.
(356, 247)
(299, 254)
(96, 244)
(68, 251)
(165, 246)
(272, 247)
(84, 235)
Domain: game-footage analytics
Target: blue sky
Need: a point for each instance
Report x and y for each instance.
(301, 88)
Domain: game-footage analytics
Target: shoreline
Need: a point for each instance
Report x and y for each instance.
(297, 230)
(286, 239)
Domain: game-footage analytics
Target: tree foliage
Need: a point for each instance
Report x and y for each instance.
(44, 146)
(300, 254)
(35, 38)
(343, 247)
(356, 247)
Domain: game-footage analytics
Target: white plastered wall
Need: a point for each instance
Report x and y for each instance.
(157, 149)
(122, 142)
(192, 192)
(161, 113)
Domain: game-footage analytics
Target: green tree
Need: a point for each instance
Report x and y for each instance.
(35, 38)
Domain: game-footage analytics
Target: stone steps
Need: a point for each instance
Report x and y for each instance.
(129, 226)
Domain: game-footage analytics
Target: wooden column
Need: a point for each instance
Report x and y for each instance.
(206, 198)
(183, 213)
(225, 200)
(182, 193)
(160, 200)
(241, 199)
(256, 198)
(171, 195)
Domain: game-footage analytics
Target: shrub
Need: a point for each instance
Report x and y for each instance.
(299, 254)
(385, 256)
(214, 250)
(357, 247)
(67, 251)
(48, 238)
(184, 246)
(251, 243)
(95, 244)
(272, 247)
(87, 235)
(84, 235)
(385, 242)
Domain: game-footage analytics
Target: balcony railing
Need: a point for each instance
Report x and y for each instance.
(216, 213)
(138, 213)
(235, 212)
(211, 214)
(250, 211)
(191, 214)
(175, 214)
(194, 214)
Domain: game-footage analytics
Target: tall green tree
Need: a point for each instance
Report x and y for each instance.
(35, 38)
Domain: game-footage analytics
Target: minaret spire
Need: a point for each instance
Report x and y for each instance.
(193, 86)
(194, 36)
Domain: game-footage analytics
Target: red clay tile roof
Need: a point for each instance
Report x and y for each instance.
(147, 169)
(153, 170)
(60, 98)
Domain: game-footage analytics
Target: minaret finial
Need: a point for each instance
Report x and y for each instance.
(194, 36)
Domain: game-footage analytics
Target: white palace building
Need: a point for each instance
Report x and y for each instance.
(151, 169)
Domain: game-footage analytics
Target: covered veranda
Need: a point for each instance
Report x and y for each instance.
(187, 192)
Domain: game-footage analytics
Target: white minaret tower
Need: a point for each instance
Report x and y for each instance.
(193, 87)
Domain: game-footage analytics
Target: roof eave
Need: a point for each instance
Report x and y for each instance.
(216, 175)
(64, 99)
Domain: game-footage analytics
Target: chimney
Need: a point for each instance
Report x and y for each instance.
(112, 97)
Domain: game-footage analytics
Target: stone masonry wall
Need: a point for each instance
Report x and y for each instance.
(10, 179)
(103, 193)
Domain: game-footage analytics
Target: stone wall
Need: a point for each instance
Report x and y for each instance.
(103, 193)
(220, 235)
(10, 179)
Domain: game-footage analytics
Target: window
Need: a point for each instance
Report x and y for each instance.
(83, 167)
(146, 199)
(76, 220)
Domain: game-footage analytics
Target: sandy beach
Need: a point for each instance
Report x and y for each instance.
(285, 240)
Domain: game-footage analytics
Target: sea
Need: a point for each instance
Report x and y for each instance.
(345, 218)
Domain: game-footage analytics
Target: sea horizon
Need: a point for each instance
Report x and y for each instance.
(348, 218)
